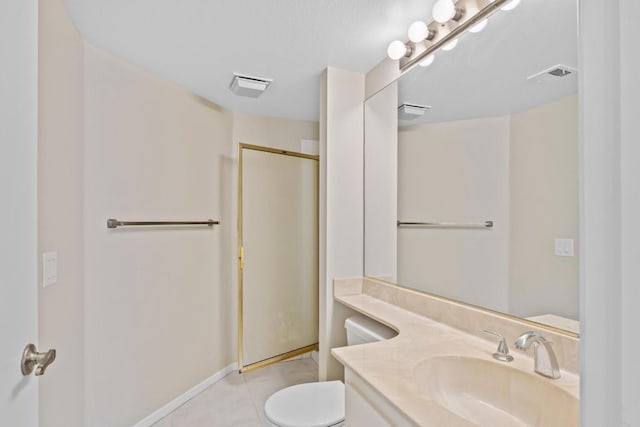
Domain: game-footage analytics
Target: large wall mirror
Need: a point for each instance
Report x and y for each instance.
(490, 135)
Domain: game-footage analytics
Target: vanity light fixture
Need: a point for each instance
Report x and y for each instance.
(445, 10)
(451, 19)
(511, 5)
(398, 49)
(451, 45)
(418, 31)
(479, 26)
(427, 61)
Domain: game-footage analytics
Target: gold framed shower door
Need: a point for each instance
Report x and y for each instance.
(241, 261)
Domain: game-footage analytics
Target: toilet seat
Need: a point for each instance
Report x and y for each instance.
(307, 405)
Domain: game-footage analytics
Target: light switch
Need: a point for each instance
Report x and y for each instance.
(49, 268)
(564, 247)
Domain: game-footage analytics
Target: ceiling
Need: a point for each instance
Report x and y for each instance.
(199, 44)
(486, 74)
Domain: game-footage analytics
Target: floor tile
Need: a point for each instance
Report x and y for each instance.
(238, 400)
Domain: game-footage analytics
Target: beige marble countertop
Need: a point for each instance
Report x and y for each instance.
(558, 322)
(390, 366)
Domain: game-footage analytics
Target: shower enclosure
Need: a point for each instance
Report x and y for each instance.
(277, 255)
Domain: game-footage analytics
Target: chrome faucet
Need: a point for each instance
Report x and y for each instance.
(545, 362)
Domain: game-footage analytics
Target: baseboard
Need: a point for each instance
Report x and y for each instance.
(183, 398)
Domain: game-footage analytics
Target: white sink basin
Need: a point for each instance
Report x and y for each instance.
(494, 394)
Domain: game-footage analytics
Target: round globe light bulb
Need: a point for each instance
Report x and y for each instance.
(396, 50)
(427, 61)
(511, 5)
(449, 46)
(479, 26)
(418, 31)
(443, 11)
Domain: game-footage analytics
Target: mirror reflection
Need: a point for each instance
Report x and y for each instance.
(487, 132)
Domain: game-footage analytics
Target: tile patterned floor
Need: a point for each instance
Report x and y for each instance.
(238, 399)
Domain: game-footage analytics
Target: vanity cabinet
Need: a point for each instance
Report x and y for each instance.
(365, 407)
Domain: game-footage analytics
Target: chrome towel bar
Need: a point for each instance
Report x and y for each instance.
(114, 223)
(485, 224)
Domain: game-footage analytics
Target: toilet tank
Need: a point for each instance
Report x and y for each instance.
(362, 329)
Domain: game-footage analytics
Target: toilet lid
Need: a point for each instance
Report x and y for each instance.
(307, 405)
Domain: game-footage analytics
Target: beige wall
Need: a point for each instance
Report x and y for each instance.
(159, 302)
(544, 206)
(60, 213)
(379, 77)
(272, 131)
(138, 316)
(341, 203)
(381, 189)
(521, 172)
(150, 151)
(179, 161)
(455, 172)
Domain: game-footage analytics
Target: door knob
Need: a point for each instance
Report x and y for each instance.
(31, 360)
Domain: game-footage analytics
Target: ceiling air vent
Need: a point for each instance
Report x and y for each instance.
(553, 73)
(411, 111)
(250, 86)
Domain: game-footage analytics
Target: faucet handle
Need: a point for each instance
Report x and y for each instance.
(502, 354)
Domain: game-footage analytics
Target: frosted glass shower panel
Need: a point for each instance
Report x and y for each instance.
(280, 240)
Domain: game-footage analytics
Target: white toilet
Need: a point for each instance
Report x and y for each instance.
(321, 404)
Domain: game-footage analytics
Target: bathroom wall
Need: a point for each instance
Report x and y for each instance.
(519, 171)
(119, 142)
(60, 213)
(543, 207)
(630, 227)
(382, 75)
(455, 172)
(151, 303)
(272, 131)
(341, 202)
(159, 303)
(116, 141)
(176, 155)
(381, 189)
(609, 209)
